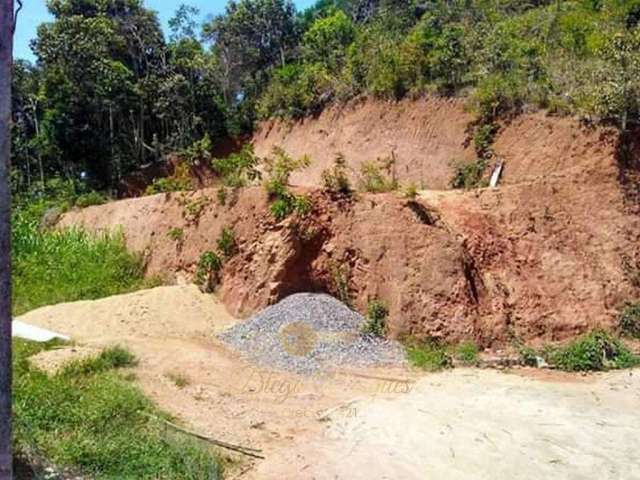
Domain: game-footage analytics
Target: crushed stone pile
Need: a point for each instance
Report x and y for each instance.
(307, 332)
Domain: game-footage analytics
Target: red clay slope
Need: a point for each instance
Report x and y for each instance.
(553, 252)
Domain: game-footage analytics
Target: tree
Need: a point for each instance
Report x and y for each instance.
(6, 53)
(250, 38)
(615, 90)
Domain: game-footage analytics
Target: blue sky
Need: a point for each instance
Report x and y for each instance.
(34, 12)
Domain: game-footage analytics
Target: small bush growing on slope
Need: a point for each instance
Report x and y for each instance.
(90, 198)
(208, 271)
(468, 175)
(279, 168)
(180, 180)
(227, 242)
(176, 234)
(377, 177)
(630, 320)
(238, 169)
(377, 313)
(335, 180)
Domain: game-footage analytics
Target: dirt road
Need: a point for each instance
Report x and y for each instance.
(363, 424)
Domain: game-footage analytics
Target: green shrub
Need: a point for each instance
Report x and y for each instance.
(375, 177)
(428, 355)
(90, 198)
(238, 169)
(227, 242)
(483, 139)
(377, 313)
(279, 167)
(630, 320)
(90, 419)
(595, 351)
(410, 191)
(287, 203)
(194, 208)
(221, 195)
(466, 353)
(199, 152)
(468, 175)
(176, 234)
(336, 180)
(208, 271)
(178, 181)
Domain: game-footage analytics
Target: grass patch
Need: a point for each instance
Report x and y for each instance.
(466, 353)
(50, 267)
(428, 355)
(432, 355)
(179, 379)
(88, 418)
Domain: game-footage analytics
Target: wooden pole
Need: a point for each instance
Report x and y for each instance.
(6, 64)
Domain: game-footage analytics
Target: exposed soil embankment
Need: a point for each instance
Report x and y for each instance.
(551, 253)
(423, 136)
(375, 247)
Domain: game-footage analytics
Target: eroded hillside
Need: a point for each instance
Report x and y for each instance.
(550, 253)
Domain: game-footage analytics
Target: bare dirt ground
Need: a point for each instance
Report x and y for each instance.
(360, 424)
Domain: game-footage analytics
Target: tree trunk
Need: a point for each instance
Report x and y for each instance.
(6, 47)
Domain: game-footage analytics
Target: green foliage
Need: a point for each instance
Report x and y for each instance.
(227, 243)
(466, 353)
(194, 208)
(336, 180)
(176, 234)
(287, 203)
(630, 320)
(429, 354)
(67, 265)
(326, 39)
(595, 351)
(279, 167)
(90, 419)
(238, 169)
(615, 90)
(108, 359)
(199, 151)
(433, 355)
(208, 271)
(483, 139)
(377, 176)
(90, 198)
(377, 313)
(180, 180)
(410, 191)
(468, 175)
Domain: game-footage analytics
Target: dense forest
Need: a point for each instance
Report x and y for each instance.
(109, 92)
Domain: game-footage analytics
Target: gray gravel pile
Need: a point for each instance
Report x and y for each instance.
(306, 332)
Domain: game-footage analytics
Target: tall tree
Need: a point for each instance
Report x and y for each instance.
(6, 60)
(251, 37)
